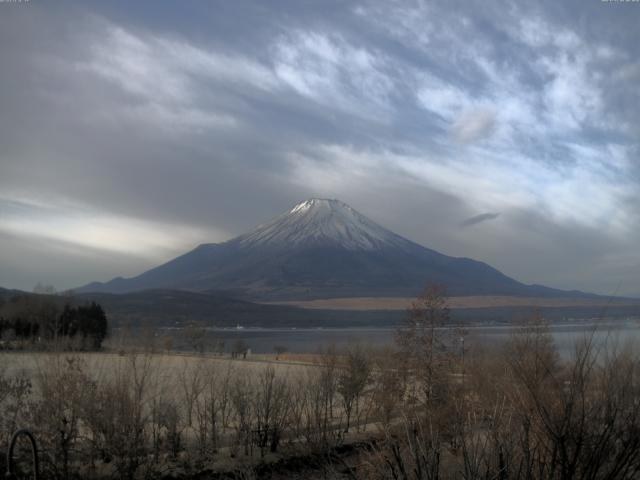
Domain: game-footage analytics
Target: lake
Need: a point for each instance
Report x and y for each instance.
(301, 340)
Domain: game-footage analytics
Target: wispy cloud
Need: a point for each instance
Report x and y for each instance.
(166, 77)
(81, 227)
(328, 69)
(474, 125)
(483, 217)
(147, 135)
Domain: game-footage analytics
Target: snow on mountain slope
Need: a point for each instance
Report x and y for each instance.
(321, 249)
(322, 222)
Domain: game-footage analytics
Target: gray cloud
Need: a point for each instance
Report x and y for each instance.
(473, 126)
(483, 217)
(131, 134)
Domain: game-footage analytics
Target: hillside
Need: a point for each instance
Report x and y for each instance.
(176, 308)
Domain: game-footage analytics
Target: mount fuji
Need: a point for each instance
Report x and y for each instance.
(322, 249)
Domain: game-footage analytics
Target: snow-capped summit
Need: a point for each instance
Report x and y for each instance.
(321, 222)
(326, 204)
(320, 248)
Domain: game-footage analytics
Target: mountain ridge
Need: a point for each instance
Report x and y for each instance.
(322, 248)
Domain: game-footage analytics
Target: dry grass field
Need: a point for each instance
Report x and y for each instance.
(489, 301)
(168, 370)
(158, 413)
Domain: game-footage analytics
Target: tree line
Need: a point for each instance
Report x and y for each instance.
(40, 319)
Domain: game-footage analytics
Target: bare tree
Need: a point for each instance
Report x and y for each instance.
(118, 417)
(218, 402)
(192, 383)
(279, 349)
(322, 427)
(15, 394)
(353, 379)
(390, 385)
(168, 426)
(426, 344)
(241, 396)
(271, 407)
(62, 382)
(212, 407)
(240, 348)
(195, 336)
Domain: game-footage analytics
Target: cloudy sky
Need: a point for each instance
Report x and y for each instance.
(133, 131)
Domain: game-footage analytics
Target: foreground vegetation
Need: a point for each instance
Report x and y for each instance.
(426, 409)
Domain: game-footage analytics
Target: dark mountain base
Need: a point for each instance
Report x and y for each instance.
(178, 308)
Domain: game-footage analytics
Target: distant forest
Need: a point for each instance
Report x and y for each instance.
(42, 319)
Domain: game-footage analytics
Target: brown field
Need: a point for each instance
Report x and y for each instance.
(186, 408)
(172, 366)
(490, 301)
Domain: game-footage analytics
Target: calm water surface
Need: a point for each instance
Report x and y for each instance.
(263, 340)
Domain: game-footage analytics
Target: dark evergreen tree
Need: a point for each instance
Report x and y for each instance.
(29, 318)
